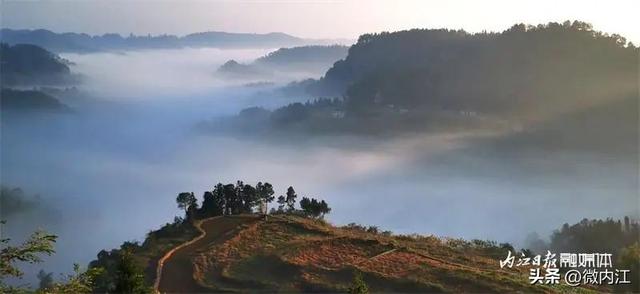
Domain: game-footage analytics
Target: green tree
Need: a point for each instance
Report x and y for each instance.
(305, 205)
(186, 200)
(77, 283)
(629, 259)
(39, 243)
(314, 208)
(230, 199)
(248, 197)
(323, 208)
(129, 276)
(265, 193)
(213, 203)
(291, 198)
(358, 285)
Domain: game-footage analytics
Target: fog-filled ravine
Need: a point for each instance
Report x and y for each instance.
(109, 170)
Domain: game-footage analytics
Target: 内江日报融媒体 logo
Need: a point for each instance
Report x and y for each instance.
(573, 269)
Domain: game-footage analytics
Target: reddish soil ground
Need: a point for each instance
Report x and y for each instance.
(177, 271)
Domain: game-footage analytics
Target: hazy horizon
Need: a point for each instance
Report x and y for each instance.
(316, 19)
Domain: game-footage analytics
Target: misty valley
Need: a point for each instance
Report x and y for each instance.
(410, 160)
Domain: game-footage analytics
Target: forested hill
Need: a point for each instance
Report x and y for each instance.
(29, 100)
(304, 54)
(523, 70)
(25, 64)
(315, 58)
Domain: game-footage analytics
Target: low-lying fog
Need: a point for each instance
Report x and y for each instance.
(110, 171)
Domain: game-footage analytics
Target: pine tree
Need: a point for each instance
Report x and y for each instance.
(186, 200)
(291, 198)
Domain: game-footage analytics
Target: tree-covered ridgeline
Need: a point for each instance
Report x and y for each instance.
(414, 79)
(242, 198)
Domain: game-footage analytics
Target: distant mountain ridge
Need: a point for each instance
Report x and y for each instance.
(316, 58)
(304, 55)
(80, 42)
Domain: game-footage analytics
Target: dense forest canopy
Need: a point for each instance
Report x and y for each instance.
(524, 70)
(596, 236)
(532, 76)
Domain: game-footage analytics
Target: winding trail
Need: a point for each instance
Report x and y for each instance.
(174, 273)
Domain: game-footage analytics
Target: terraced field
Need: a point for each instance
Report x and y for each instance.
(293, 254)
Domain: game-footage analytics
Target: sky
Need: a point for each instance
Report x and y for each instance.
(312, 18)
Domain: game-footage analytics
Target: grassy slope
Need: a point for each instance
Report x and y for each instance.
(289, 253)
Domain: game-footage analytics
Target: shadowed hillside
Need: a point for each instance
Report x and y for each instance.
(29, 100)
(25, 64)
(523, 71)
(303, 56)
(309, 59)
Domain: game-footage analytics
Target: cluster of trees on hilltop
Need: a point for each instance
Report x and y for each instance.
(620, 238)
(589, 235)
(522, 70)
(226, 199)
(608, 235)
(308, 206)
(241, 198)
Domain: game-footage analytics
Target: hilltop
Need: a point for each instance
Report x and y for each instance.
(291, 253)
(296, 254)
(26, 65)
(223, 245)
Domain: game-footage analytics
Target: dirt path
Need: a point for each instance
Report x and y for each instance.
(175, 269)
